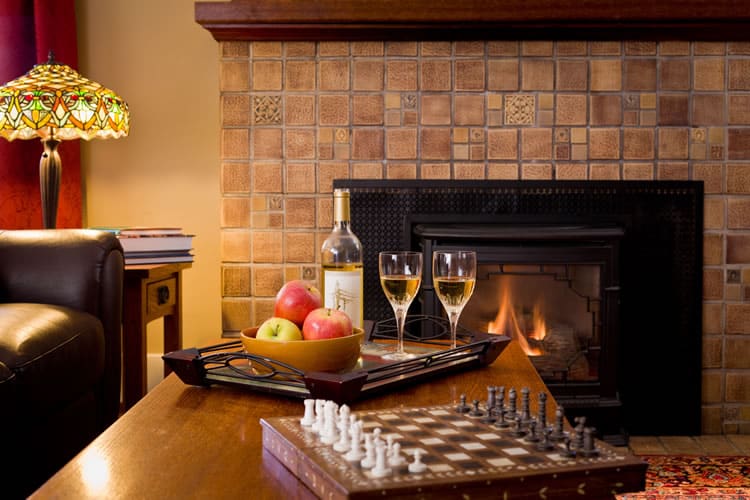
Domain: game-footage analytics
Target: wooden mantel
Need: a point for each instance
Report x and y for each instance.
(475, 19)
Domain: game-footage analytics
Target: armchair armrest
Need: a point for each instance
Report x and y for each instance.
(76, 268)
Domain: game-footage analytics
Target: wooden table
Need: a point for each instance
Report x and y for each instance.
(183, 441)
(151, 291)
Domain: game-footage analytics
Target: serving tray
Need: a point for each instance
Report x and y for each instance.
(426, 336)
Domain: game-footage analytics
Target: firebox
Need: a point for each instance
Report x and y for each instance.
(600, 283)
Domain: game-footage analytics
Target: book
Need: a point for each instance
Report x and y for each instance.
(156, 243)
(150, 231)
(159, 260)
(139, 231)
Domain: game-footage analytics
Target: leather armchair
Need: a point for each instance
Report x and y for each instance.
(60, 348)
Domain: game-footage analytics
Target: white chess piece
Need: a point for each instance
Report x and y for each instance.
(355, 449)
(328, 435)
(417, 466)
(344, 412)
(342, 445)
(380, 469)
(318, 424)
(309, 418)
(369, 461)
(394, 457)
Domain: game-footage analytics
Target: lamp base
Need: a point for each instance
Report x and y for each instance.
(50, 172)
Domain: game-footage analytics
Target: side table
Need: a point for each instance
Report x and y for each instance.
(151, 291)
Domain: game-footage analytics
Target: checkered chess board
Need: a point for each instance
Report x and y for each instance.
(462, 455)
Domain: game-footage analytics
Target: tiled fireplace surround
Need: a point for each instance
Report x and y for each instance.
(296, 115)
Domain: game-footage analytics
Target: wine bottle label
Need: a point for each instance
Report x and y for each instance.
(343, 291)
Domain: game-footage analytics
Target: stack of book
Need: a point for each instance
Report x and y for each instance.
(155, 245)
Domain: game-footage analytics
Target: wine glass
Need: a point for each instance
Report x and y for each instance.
(400, 277)
(453, 277)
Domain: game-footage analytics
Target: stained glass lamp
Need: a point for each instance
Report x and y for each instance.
(55, 103)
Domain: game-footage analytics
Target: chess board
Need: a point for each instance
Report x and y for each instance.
(465, 457)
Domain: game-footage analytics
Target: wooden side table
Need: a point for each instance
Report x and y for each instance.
(151, 291)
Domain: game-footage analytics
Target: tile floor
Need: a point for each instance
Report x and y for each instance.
(729, 444)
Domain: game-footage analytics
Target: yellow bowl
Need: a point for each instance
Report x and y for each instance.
(328, 355)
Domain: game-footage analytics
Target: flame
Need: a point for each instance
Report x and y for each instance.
(506, 322)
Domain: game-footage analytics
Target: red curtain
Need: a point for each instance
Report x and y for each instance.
(29, 29)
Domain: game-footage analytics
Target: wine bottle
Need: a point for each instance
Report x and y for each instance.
(341, 263)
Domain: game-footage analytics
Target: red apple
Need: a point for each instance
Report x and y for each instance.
(295, 300)
(324, 323)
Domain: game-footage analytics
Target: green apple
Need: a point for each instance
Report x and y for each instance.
(276, 328)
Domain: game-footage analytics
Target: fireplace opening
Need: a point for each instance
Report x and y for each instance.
(601, 279)
(553, 311)
(554, 288)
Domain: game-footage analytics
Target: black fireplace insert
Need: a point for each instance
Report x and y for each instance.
(613, 267)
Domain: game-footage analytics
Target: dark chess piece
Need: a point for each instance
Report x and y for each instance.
(578, 432)
(589, 445)
(500, 397)
(525, 408)
(500, 422)
(518, 430)
(462, 406)
(491, 390)
(541, 414)
(558, 430)
(532, 436)
(569, 452)
(511, 413)
(491, 416)
(545, 444)
(476, 411)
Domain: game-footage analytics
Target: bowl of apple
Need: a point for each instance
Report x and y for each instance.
(303, 334)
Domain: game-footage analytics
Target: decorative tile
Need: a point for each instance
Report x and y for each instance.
(409, 101)
(519, 109)
(267, 109)
(309, 272)
(562, 135)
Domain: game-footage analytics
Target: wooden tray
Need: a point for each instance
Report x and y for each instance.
(228, 363)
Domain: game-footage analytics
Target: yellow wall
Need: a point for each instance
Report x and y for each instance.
(166, 172)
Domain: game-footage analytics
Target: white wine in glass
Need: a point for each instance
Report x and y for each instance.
(400, 277)
(454, 277)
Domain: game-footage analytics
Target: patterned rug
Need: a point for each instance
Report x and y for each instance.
(695, 478)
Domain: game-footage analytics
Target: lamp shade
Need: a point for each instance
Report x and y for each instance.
(54, 100)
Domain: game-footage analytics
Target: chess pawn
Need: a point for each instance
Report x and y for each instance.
(532, 436)
(545, 444)
(518, 429)
(462, 406)
(417, 466)
(475, 410)
(558, 431)
(395, 459)
(501, 423)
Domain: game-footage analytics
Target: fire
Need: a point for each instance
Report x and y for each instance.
(527, 326)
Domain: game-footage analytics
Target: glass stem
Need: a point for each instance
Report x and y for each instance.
(454, 324)
(400, 319)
